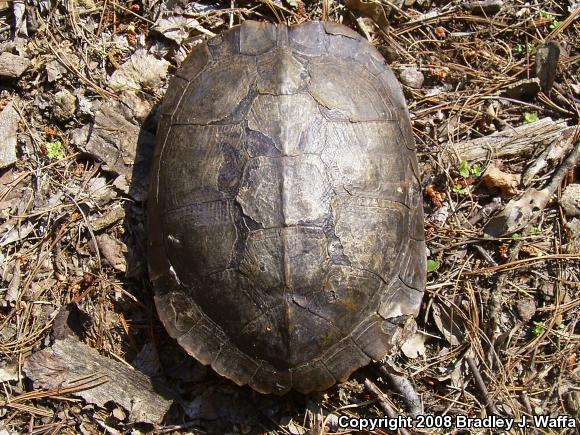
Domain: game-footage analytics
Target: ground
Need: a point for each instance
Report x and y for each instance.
(498, 333)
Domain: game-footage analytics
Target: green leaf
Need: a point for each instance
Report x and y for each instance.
(538, 329)
(464, 169)
(555, 23)
(54, 150)
(459, 190)
(516, 236)
(432, 265)
(476, 170)
(530, 117)
(534, 230)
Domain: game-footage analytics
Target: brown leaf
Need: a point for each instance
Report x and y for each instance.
(496, 178)
(370, 9)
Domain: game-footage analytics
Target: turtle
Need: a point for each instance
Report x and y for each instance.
(285, 219)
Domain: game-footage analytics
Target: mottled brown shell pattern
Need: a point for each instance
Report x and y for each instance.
(285, 213)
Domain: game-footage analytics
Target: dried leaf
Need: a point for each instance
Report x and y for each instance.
(414, 346)
(113, 250)
(142, 70)
(370, 9)
(449, 323)
(494, 177)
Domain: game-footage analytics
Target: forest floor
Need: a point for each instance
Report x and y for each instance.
(493, 90)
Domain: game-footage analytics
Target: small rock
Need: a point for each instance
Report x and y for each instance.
(8, 128)
(570, 200)
(524, 89)
(65, 105)
(526, 309)
(412, 77)
(12, 66)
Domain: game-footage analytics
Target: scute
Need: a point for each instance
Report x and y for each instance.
(286, 239)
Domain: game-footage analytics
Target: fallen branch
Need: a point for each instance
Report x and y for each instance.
(522, 140)
(69, 363)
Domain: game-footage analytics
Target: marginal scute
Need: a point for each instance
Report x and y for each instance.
(235, 365)
(257, 38)
(414, 269)
(345, 360)
(194, 63)
(398, 299)
(286, 234)
(312, 377)
(308, 38)
(178, 312)
(207, 100)
(204, 341)
(375, 337)
(267, 380)
(338, 29)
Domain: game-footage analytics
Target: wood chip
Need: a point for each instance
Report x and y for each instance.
(71, 363)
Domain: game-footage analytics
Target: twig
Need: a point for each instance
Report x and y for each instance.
(391, 413)
(482, 389)
(403, 386)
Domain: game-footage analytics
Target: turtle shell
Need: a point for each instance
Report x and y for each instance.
(286, 239)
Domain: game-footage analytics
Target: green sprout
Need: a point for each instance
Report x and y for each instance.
(432, 265)
(530, 117)
(464, 169)
(54, 150)
(476, 170)
(553, 21)
(538, 329)
(522, 48)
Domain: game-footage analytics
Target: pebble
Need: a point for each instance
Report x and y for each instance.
(570, 200)
(412, 77)
(12, 66)
(65, 105)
